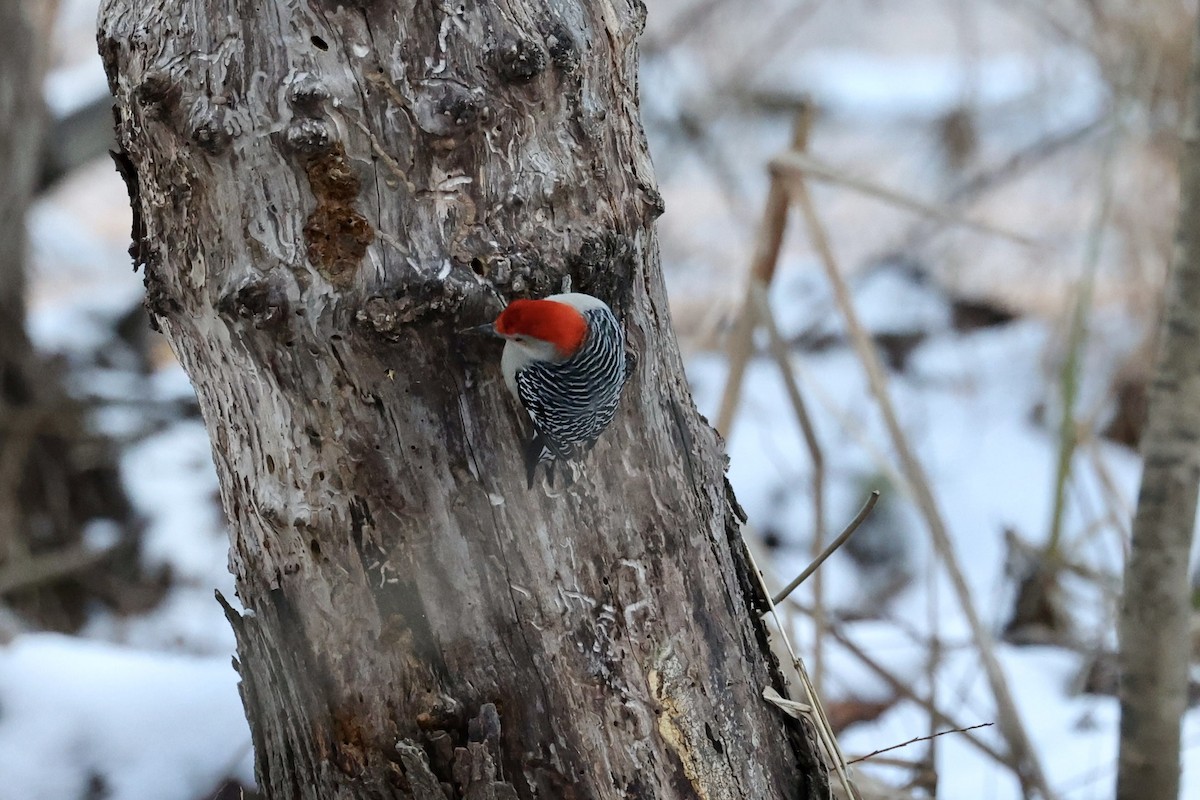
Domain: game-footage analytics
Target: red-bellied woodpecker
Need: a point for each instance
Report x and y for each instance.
(565, 362)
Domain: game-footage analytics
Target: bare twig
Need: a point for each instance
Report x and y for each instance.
(903, 689)
(933, 610)
(1019, 162)
(797, 166)
(853, 427)
(1029, 765)
(858, 520)
(920, 739)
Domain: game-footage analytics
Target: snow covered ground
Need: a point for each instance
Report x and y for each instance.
(146, 707)
(84, 718)
(967, 402)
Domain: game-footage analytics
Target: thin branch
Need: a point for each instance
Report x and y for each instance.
(797, 166)
(920, 739)
(858, 520)
(933, 608)
(1024, 159)
(1015, 166)
(1030, 769)
(903, 689)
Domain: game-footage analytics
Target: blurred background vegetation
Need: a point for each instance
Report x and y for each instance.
(997, 183)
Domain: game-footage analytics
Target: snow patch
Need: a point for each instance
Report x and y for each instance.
(79, 714)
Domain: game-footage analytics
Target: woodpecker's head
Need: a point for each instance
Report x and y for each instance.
(546, 330)
(537, 331)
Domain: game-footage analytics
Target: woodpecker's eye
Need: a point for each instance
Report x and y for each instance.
(518, 338)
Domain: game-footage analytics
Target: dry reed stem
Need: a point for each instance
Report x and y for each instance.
(934, 660)
(1076, 345)
(824, 729)
(851, 426)
(762, 271)
(741, 346)
(1029, 769)
(761, 309)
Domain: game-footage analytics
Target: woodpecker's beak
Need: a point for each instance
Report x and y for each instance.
(488, 329)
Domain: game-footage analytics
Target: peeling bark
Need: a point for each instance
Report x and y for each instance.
(325, 193)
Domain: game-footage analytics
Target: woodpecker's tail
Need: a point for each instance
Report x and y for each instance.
(537, 452)
(541, 450)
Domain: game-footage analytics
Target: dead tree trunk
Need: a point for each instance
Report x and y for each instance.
(326, 192)
(1156, 608)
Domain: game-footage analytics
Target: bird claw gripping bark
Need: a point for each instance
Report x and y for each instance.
(538, 452)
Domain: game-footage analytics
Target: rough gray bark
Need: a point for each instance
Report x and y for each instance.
(325, 192)
(1156, 606)
(55, 476)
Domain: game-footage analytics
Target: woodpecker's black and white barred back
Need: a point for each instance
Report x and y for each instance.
(572, 402)
(567, 367)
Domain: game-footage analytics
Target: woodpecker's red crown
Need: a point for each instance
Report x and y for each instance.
(548, 320)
